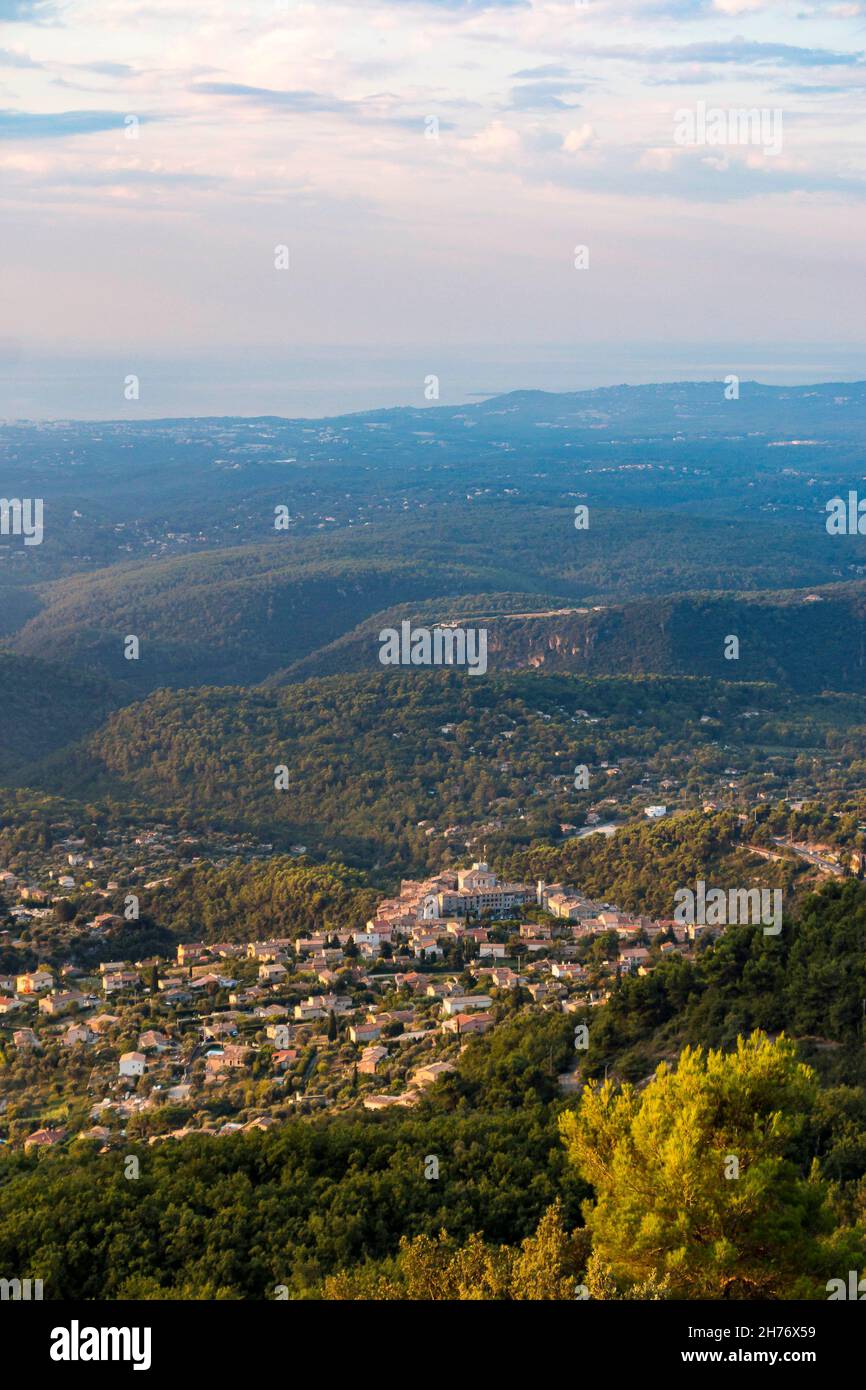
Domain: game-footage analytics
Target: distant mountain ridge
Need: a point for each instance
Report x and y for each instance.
(124, 489)
(806, 639)
(244, 614)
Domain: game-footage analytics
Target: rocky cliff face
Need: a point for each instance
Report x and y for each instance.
(808, 640)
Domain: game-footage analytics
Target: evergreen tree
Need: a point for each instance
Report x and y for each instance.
(698, 1181)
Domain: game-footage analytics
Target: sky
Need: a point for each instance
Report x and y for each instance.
(429, 167)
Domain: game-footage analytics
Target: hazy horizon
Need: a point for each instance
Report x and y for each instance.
(327, 384)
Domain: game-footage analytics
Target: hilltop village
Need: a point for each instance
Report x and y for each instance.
(229, 1036)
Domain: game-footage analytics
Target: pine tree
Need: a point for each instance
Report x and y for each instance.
(698, 1181)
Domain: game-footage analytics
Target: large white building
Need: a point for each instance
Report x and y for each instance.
(451, 894)
(474, 891)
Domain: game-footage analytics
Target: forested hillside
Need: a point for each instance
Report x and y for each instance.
(641, 867)
(235, 615)
(271, 898)
(391, 770)
(45, 705)
(684, 634)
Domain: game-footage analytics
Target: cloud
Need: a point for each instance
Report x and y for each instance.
(695, 176)
(741, 50)
(544, 70)
(813, 89)
(578, 139)
(8, 59)
(660, 157)
(132, 177)
(462, 4)
(495, 144)
(25, 11)
(372, 108)
(293, 100)
(746, 52)
(695, 77)
(56, 125)
(673, 9)
(108, 69)
(543, 96)
(738, 6)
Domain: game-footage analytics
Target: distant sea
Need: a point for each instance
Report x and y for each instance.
(332, 381)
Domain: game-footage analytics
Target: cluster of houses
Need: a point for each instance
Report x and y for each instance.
(325, 1018)
(134, 856)
(435, 909)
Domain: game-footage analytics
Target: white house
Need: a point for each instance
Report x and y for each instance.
(132, 1064)
(464, 1003)
(492, 950)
